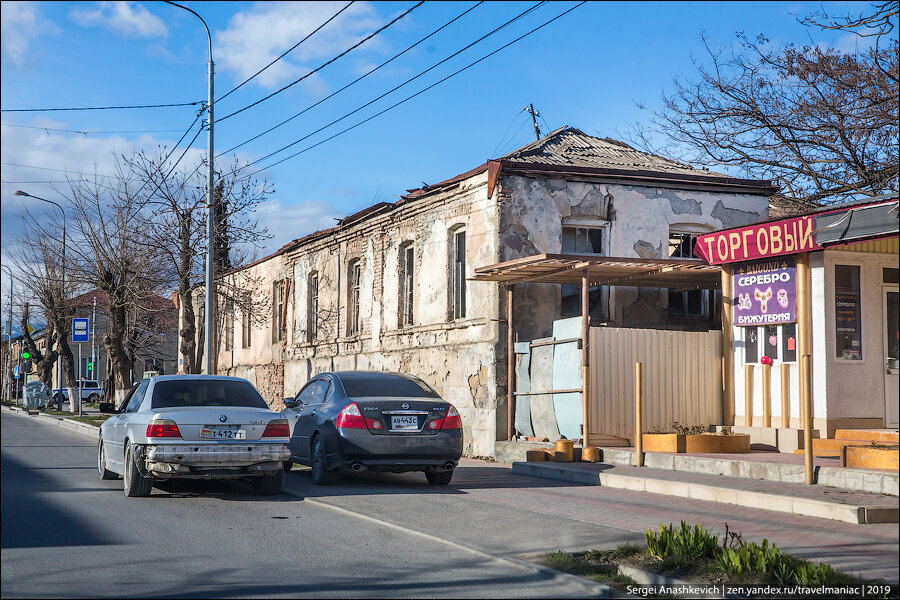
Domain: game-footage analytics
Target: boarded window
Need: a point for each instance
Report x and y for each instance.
(406, 288)
(278, 288)
(458, 274)
(312, 307)
(353, 276)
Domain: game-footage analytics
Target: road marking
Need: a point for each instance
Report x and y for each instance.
(597, 590)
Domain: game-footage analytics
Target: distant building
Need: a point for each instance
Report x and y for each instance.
(387, 288)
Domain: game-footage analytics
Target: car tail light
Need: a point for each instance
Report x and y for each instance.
(277, 428)
(163, 428)
(350, 418)
(373, 424)
(451, 421)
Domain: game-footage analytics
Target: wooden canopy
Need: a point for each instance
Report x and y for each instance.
(682, 274)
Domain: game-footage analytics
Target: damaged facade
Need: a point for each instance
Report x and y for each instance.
(386, 289)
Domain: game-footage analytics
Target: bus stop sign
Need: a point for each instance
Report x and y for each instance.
(80, 330)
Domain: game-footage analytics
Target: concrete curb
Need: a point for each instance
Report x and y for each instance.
(82, 428)
(807, 507)
(863, 480)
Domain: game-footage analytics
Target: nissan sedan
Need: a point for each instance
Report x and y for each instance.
(193, 427)
(355, 421)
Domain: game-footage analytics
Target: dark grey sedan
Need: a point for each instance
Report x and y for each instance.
(354, 421)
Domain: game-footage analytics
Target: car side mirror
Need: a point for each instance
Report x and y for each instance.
(108, 408)
(290, 402)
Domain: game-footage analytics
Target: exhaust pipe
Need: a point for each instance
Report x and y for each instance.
(357, 467)
(448, 466)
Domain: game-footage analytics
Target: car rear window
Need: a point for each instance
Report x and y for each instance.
(360, 386)
(172, 394)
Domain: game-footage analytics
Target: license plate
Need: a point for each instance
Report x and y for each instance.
(222, 432)
(405, 423)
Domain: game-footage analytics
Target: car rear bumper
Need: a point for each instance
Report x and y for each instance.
(214, 461)
(403, 452)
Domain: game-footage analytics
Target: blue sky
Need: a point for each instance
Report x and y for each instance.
(588, 69)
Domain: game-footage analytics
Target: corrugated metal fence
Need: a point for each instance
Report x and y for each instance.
(682, 379)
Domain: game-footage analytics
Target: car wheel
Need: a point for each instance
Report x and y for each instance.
(438, 477)
(136, 485)
(93, 399)
(287, 465)
(269, 484)
(321, 475)
(102, 471)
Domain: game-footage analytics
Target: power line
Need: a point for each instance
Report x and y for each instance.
(395, 88)
(361, 77)
(317, 69)
(505, 133)
(90, 132)
(100, 107)
(286, 52)
(485, 57)
(57, 170)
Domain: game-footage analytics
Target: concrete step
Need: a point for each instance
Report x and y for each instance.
(810, 501)
(868, 435)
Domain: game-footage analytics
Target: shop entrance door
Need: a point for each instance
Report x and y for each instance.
(891, 356)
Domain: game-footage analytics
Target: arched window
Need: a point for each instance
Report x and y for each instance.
(312, 307)
(354, 272)
(457, 288)
(405, 288)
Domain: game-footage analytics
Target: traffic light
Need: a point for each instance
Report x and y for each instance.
(26, 355)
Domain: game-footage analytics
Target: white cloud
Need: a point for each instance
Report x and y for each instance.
(254, 38)
(20, 22)
(67, 154)
(126, 18)
(287, 222)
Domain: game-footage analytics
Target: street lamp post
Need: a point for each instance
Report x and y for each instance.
(59, 374)
(6, 374)
(209, 334)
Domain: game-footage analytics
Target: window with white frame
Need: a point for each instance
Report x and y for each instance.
(689, 304)
(278, 289)
(246, 333)
(583, 235)
(229, 325)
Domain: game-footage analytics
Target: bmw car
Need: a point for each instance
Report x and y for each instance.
(193, 427)
(355, 421)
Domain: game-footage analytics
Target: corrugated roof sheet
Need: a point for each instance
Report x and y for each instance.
(568, 146)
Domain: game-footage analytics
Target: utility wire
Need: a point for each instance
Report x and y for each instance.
(286, 52)
(361, 77)
(172, 151)
(505, 133)
(89, 132)
(485, 57)
(411, 79)
(100, 107)
(317, 69)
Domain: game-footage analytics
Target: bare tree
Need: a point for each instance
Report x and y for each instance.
(176, 231)
(821, 122)
(48, 280)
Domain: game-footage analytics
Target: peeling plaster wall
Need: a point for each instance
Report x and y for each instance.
(457, 357)
(638, 220)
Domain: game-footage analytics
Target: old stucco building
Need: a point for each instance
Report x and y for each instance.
(387, 289)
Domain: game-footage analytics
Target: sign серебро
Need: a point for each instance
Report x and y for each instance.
(765, 292)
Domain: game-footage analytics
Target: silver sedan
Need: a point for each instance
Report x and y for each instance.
(193, 427)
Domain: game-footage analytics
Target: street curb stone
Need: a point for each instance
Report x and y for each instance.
(750, 499)
(82, 428)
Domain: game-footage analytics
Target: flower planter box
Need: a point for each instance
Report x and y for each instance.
(663, 442)
(711, 443)
(869, 457)
(704, 443)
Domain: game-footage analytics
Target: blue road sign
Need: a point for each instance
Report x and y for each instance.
(80, 330)
(16, 372)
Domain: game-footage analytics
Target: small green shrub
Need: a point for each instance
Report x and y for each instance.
(685, 541)
(688, 429)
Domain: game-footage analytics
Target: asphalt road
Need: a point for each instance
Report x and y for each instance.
(66, 533)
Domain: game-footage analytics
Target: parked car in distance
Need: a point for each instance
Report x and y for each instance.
(193, 427)
(89, 389)
(354, 421)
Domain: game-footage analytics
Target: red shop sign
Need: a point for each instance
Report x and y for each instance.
(778, 238)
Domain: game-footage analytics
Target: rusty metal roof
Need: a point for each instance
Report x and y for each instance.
(568, 146)
(603, 270)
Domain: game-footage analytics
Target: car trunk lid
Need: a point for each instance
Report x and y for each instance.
(402, 416)
(226, 424)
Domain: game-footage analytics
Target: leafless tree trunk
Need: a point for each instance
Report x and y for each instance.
(43, 362)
